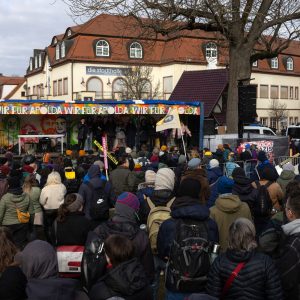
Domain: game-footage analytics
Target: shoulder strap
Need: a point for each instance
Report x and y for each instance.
(169, 204)
(268, 184)
(231, 278)
(258, 185)
(150, 203)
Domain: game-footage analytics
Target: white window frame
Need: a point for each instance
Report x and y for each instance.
(211, 51)
(36, 62)
(40, 59)
(30, 64)
(135, 50)
(57, 52)
(102, 48)
(290, 64)
(274, 63)
(63, 50)
(255, 64)
(69, 32)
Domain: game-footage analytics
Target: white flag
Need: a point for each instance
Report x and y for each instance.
(171, 120)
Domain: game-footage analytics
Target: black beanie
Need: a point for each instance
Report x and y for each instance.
(14, 182)
(238, 172)
(190, 187)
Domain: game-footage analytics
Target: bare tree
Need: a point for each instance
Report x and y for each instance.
(137, 83)
(252, 29)
(278, 111)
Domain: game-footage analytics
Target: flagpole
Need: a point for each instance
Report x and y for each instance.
(183, 144)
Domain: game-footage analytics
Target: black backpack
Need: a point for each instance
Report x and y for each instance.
(99, 206)
(263, 205)
(189, 259)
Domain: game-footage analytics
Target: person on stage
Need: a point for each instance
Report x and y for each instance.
(82, 133)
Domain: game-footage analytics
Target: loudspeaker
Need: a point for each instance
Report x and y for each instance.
(209, 127)
(247, 103)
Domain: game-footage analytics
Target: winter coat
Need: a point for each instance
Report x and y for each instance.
(275, 193)
(258, 280)
(284, 178)
(226, 210)
(137, 236)
(214, 174)
(127, 280)
(143, 193)
(13, 284)
(82, 131)
(9, 203)
(93, 178)
(122, 180)
(184, 208)
(73, 231)
(288, 261)
(52, 196)
(34, 196)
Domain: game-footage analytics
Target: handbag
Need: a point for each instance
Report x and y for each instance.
(23, 217)
(231, 278)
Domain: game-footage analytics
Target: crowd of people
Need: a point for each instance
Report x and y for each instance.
(161, 225)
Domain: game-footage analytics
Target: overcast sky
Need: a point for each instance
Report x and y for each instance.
(26, 25)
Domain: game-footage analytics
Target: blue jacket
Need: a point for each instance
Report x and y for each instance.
(213, 174)
(195, 212)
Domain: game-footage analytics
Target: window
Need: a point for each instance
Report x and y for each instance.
(211, 51)
(274, 92)
(59, 91)
(30, 64)
(274, 63)
(273, 123)
(102, 48)
(291, 120)
(167, 86)
(36, 62)
(95, 85)
(119, 89)
(291, 92)
(296, 120)
(264, 91)
(40, 59)
(146, 93)
(65, 86)
(255, 64)
(136, 50)
(54, 88)
(254, 131)
(57, 52)
(23, 94)
(69, 32)
(290, 64)
(34, 90)
(264, 121)
(42, 90)
(267, 132)
(63, 49)
(284, 92)
(296, 93)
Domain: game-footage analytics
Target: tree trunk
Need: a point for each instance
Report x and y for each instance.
(239, 68)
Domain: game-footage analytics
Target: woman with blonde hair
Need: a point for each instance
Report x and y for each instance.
(242, 272)
(52, 196)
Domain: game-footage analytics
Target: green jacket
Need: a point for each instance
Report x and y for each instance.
(8, 204)
(34, 196)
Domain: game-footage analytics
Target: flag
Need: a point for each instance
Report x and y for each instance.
(171, 120)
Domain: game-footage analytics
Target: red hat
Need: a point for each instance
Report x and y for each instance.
(4, 170)
(28, 169)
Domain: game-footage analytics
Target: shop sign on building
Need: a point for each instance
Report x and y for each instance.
(106, 71)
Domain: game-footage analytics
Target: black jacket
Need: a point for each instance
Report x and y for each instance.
(73, 231)
(139, 238)
(13, 284)
(128, 280)
(258, 280)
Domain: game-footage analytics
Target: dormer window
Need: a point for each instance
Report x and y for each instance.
(40, 59)
(290, 64)
(69, 32)
(255, 64)
(274, 63)
(55, 41)
(211, 51)
(57, 52)
(30, 64)
(36, 62)
(136, 50)
(102, 48)
(63, 49)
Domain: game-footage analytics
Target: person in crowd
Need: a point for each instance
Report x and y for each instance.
(189, 208)
(256, 278)
(227, 209)
(207, 156)
(126, 277)
(288, 261)
(226, 152)
(128, 151)
(91, 181)
(139, 174)
(286, 176)
(243, 188)
(31, 188)
(121, 179)
(230, 164)
(52, 196)
(219, 154)
(14, 203)
(12, 280)
(72, 226)
(125, 221)
(179, 170)
(38, 261)
(263, 163)
(214, 171)
(142, 159)
(82, 133)
(4, 171)
(154, 158)
(246, 154)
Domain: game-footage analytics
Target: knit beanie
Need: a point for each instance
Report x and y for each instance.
(4, 170)
(225, 185)
(165, 179)
(75, 206)
(269, 174)
(150, 176)
(129, 200)
(14, 182)
(194, 163)
(214, 163)
(163, 148)
(128, 150)
(190, 187)
(238, 172)
(288, 167)
(261, 156)
(28, 169)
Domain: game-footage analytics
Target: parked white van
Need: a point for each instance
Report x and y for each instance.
(256, 129)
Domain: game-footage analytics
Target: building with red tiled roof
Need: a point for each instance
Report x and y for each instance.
(89, 60)
(12, 86)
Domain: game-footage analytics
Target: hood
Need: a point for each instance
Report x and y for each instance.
(192, 211)
(242, 186)
(128, 278)
(17, 197)
(228, 203)
(287, 175)
(292, 227)
(94, 171)
(216, 171)
(130, 230)
(161, 197)
(239, 256)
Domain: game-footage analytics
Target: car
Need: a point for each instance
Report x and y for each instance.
(257, 129)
